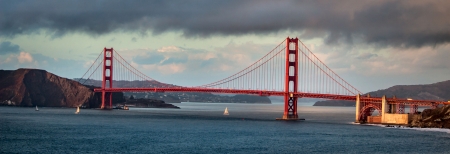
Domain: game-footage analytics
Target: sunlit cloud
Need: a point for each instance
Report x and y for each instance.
(25, 57)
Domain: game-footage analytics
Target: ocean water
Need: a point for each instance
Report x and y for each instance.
(202, 128)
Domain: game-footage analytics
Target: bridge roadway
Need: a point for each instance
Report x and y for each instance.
(276, 93)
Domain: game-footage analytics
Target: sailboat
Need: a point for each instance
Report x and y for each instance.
(37, 108)
(78, 110)
(226, 111)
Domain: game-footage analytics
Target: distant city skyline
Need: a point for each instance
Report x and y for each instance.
(371, 44)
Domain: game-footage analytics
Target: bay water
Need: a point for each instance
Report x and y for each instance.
(202, 128)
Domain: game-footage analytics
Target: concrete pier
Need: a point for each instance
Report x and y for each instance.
(386, 116)
(358, 108)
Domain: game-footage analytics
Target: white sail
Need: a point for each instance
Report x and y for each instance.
(37, 108)
(226, 111)
(78, 110)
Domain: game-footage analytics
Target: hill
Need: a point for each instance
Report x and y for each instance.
(30, 87)
(435, 91)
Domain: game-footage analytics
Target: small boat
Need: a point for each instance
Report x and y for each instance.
(37, 108)
(226, 111)
(78, 110)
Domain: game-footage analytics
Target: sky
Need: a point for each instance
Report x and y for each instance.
(371, 44)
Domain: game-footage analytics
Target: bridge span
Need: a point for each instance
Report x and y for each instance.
(290, 70)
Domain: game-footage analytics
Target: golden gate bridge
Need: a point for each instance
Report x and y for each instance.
(289, 70)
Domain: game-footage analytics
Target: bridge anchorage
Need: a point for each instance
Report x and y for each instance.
(391, 110)
(290, 70)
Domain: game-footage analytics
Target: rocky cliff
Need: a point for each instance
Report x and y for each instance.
(433, 118)
(436, 91)
(30, 87)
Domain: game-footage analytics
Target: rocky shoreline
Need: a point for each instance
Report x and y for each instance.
(432, 118)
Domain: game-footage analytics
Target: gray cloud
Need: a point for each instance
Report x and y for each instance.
(165, 58)
(8, 47)
(366, 56)
(62, 67)
(385, 23)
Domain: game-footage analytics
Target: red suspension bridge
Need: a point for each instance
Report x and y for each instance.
(290, 70)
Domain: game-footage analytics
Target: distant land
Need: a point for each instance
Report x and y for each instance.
(178, 97)
(35, 87)
(202, 97)
(148, 103)
(436, 91)
(280, 99)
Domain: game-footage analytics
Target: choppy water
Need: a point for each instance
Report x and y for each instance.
(201, 128)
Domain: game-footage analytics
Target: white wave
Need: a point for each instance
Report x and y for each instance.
(444, 130)
(378, 125)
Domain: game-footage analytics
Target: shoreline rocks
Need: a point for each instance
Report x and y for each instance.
(432, 118)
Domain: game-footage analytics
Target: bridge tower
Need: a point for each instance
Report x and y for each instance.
(107, 78)
(291, 80)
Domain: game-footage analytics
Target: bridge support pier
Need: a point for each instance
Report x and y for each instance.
(291, 80)
(383, 108)
(358, 108)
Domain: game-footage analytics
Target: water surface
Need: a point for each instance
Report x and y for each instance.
(202, 128)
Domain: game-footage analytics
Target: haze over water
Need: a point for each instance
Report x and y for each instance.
(202, 128)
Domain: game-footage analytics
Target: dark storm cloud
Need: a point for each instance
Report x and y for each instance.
(8, 47)
(386, 23)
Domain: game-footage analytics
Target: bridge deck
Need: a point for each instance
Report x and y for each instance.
(275, 93)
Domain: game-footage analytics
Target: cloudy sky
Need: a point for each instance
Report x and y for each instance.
(371, 44)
